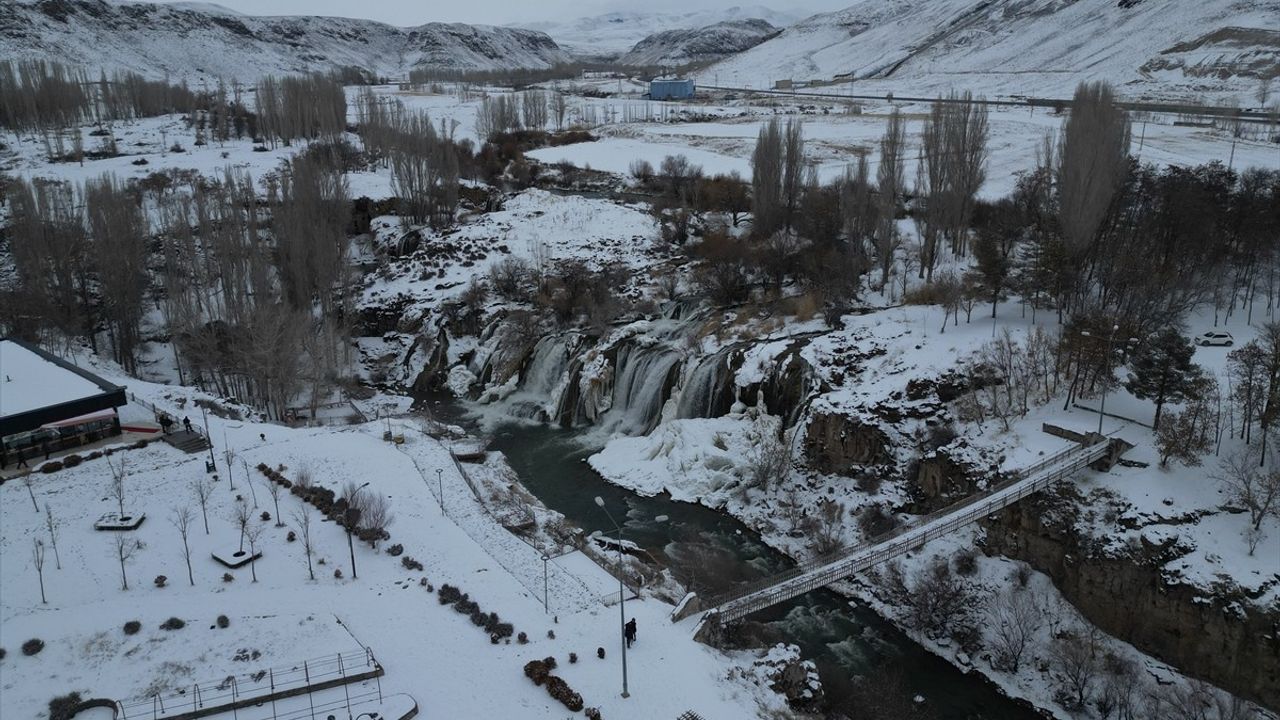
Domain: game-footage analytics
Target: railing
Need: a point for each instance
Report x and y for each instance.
(827, 568)
(251, 688)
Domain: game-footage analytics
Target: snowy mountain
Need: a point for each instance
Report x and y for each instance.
(199, 40)
(713, 42)
(616, 33)
(1171, 48)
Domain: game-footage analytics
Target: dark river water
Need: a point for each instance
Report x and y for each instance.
(709, 551)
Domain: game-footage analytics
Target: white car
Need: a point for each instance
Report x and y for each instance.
(1215, 337)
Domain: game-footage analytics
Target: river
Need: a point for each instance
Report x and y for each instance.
(708, 551)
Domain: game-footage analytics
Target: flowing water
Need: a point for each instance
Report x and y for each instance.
(709, 551)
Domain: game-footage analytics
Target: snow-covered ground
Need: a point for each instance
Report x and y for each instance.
(429, 651)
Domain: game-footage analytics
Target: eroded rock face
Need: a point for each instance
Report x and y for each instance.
(943, 480)
(837, 443)
(1223, 638)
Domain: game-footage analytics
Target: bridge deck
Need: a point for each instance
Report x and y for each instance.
(826, 569)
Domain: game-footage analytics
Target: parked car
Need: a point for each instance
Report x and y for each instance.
(1215, 337)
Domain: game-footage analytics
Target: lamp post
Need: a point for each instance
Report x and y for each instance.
(353, 517)
(546, 608)
(440, 490)
(622, 592)
(1106, 373)
(213, 464)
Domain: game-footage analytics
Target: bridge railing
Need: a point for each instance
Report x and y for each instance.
(1069, 461)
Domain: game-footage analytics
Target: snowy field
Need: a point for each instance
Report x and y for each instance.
(428, 650)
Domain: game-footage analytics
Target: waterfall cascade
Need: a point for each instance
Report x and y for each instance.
(623, 383)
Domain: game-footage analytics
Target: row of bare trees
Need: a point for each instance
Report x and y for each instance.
(81, 257)
(526, 110)
(42, 95)
(425, 162)
(300, 107)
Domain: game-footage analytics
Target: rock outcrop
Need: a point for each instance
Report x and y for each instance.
(1219, 636)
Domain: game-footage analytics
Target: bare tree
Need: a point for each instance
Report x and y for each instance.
(766, 180)
(254, 533)
(126, 547)
(1257, 489)
(303, 517)
(533, 103)
(118, 227)
(38, 558)
(769, 459)
(1075, 657)
(559, 106)
(375, 516)
(889, 180)
(241, 517)
(1093, 159)
(181, 519)
(26, 481)
(52, 526)
(1122, 686)
(1014, 620)
(275, 489)
(828, 524)
(117, 488)
(792, 169)
(203, 489)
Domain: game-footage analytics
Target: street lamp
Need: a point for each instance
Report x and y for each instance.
(213, 464)
(1106, 373)
(546, 608)
(440, 489)
(353, 517)
(622, 591)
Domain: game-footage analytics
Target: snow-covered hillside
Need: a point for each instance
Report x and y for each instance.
(713, 42)
(615, 33)
(1041, 47)
(196, 41)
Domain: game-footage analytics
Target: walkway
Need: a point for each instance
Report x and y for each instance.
(826, 569)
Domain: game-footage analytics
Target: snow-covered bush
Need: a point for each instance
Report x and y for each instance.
(173, 623)
(395, 550)
(32, 646)
(537, 671)
(224, 622)
(573, 658)
(560, 690)
(64, 707)
(161, 580)
(132, 627)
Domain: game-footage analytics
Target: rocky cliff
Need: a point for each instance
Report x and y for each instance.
(1219, 636)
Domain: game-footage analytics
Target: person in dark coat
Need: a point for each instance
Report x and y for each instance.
(22, 459)
(630, 631)
(166, 422)
(186, 423)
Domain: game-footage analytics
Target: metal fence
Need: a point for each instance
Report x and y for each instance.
(248, 688)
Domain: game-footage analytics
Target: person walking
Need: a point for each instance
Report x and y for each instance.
(186, 423)
(22, 459)
(630, 631)
(166, 422)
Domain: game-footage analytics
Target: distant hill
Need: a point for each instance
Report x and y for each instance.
(713, 42)
(198, 40)
(615, 34)
(1167, 48)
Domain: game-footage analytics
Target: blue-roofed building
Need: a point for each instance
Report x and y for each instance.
(670, 89)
